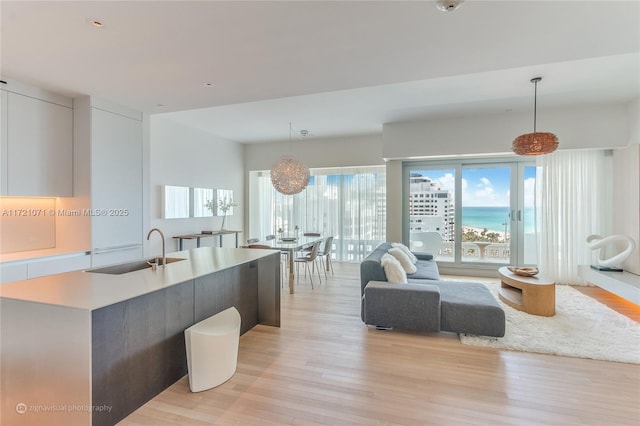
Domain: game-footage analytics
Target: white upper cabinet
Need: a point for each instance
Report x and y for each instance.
(108, 177)
(37, 142)
(116, 179)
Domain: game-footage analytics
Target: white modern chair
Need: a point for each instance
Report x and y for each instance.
(326, 253)
(310, 258)
(212, 349)
(426, 242)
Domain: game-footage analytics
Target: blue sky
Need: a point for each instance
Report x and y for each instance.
(483, 187)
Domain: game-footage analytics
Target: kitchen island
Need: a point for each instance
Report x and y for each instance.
(89, 348)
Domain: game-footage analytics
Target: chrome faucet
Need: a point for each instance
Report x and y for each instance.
(164, 256)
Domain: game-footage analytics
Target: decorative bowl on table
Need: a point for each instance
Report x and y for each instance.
(523, 271)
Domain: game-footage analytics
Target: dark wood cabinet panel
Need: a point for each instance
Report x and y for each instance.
(214, 293)
(237, 287)
(246, 296)
(138, 349)
(269, 291)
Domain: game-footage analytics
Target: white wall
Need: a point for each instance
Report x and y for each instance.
(626, 199)
(317, 153)
(394, 200)
(184, 156)
(633, 115)
(595, 126)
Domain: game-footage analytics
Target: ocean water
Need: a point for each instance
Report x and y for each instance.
(493, 218)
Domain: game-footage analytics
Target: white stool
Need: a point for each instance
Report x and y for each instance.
(212, 350)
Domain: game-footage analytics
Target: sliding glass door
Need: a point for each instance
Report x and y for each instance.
(471, 213)
(485, 209)
(430, 211)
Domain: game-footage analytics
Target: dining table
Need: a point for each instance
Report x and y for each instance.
(291, 245)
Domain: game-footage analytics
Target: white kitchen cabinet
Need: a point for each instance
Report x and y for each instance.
(116, 179)
(37, 142)
(58, 264)
(39, 267)
(115, 255)
(13, 271)
(108, 155)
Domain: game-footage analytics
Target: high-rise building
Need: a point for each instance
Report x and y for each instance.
(430, 207)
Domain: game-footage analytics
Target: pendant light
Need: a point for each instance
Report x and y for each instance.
(535, 143)
(289, 175)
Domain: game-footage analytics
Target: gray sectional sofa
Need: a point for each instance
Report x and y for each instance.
(425, 302)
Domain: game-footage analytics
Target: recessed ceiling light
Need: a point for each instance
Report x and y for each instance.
(448, 5)
(160, 105)
(95, 23)
(208, 84)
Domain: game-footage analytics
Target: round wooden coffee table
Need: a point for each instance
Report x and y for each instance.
(533, 295)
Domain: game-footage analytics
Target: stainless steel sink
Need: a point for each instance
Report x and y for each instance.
(138, 265)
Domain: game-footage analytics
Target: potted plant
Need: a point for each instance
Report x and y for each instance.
(224, 206)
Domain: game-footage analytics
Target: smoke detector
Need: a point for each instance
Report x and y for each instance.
(448, 5)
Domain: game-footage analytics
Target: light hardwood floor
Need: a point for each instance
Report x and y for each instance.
(325, 367)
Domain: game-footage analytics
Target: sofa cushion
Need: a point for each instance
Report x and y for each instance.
(393, 269)
(470, 308)
(405, 249)
(406, 263)
(404, 306)
(426, 270)
(423, 256)
(371, 268)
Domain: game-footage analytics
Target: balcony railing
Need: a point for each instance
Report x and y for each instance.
(476, 252)
(356, 250)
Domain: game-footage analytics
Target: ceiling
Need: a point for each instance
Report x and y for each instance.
(333, 68)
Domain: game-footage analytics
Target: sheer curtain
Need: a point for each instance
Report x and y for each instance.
(573, 201)
(348, 203)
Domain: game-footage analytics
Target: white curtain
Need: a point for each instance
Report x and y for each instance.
(348, 203)
(573, 201)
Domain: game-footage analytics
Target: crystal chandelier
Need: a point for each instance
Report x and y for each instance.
(289, 175)
(535, 143)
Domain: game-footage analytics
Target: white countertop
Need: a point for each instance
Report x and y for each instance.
(90, 291)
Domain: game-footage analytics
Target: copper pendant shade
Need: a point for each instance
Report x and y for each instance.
(535, 143)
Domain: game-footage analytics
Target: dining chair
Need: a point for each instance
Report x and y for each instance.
(310, 258)
(284, 257)
(259, 246)
(265, 246)
(326, 252)
(309, 234)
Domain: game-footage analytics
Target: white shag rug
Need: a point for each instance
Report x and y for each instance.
(582, 327)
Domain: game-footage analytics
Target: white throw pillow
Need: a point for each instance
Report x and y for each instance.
(405, 249)
(408, 266)
(392, 269)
